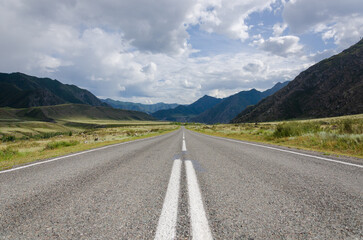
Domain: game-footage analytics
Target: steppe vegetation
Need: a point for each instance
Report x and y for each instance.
(337, 136)
(27, 141)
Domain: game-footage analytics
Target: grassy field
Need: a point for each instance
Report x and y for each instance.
(22, 142)
(335, 136)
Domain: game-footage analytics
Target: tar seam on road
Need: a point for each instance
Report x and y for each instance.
(167, 222)
(75, 154)
(288, 151)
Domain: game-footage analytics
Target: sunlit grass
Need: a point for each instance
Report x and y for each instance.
(340, 135)
(27, 141)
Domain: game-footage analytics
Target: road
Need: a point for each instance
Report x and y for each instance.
(184, 185)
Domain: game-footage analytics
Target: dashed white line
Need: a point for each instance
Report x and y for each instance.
(199, 222)
(167, 222)
(184, 147)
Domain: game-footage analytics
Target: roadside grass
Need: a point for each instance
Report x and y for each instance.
(27, 141)
(336, 136)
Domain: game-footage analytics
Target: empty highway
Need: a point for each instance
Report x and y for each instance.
(184, 185)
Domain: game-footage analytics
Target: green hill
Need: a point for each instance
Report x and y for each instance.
(72, 111)
(148, 108)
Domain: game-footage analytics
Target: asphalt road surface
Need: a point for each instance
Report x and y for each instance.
(184, 185)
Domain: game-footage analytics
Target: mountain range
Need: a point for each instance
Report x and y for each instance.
(148, 108)
(332, 87)
(229, 107)
(19, 90)
(184, 113)
(215, 110)
(44, 99)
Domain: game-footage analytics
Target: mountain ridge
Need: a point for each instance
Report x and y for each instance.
(19, 90)
(229, 107)
(148, 108)
(331, 87)
(183, 113)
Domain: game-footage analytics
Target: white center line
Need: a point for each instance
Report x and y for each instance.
(199, 222)
(184, 147)
(167, 222)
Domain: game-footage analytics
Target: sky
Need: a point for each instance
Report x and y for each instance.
(173, 51)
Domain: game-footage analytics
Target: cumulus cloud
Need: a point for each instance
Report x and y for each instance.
(282, 46)
(339, 20)
(139, 50)
(226, 17)
(279, 28)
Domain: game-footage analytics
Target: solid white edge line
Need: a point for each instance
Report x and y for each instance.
(75, 154)
(198, 218)
(166, 228)
(288, 151)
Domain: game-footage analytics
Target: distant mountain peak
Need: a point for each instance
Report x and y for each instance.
(229, 107)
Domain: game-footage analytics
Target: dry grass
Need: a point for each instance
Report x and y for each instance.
(24, 142)
(338, 136)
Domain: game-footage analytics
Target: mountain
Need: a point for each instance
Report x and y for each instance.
(227, 109)
(19, 90)
(72, 111)
(332, 87)
(148, 108)
(184, 113)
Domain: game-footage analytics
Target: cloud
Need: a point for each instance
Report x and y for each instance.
(226, 17)
(254, 67)
(139, 50)
(339, 20)
(282, 46)
(279, 28)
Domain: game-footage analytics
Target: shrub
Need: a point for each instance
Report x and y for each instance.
(295, 129)
(346, 126)
(55, 145)
(8, 153)
(8, 138)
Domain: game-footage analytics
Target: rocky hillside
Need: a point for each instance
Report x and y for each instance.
(332, 87)
(19, 90)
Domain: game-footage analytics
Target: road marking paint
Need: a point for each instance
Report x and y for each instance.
(167, 222)
(198, 219)
(184, 147)
(75, 154)
(183, 136)
(288, 151)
